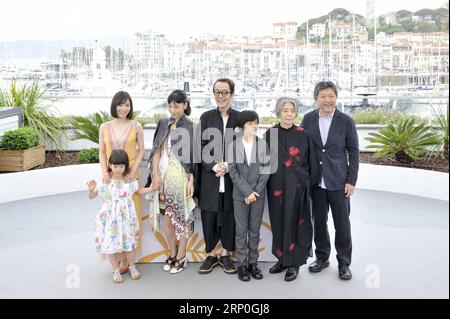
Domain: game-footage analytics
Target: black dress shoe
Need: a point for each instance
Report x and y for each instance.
(291, 273)
(243, 273)
(344, 272)
(277, 268)
(255, 271)
(227, 264)
(318, 265)
(208, 265)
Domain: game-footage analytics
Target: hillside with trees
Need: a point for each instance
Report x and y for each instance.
(424, 20)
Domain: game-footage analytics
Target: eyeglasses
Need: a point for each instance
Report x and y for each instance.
(219, 93)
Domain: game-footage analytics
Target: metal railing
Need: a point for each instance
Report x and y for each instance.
(421, 105)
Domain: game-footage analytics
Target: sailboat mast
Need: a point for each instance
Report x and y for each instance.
(330, 62)
(307, 53)
(376, 51)
(353, 59)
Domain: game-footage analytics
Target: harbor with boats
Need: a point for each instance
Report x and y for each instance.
(374, 69)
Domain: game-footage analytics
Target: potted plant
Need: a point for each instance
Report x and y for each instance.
(20, 150)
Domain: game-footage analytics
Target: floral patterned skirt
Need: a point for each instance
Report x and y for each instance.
(116, 227)
(176, 205)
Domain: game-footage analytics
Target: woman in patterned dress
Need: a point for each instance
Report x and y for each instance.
(172, 174)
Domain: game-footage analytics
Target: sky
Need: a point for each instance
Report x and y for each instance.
(177, 19)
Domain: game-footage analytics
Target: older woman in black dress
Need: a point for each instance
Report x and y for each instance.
(288, 192)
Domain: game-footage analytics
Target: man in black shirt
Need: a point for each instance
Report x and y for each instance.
(216, 188)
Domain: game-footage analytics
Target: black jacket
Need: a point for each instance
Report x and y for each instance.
(209, 183)
(162, 132)
(338, 159)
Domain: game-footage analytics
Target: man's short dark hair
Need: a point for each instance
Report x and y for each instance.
(119, 98)
(323, 86)
(226, 80)
(246, 116)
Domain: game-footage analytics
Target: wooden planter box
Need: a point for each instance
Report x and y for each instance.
(16, 161)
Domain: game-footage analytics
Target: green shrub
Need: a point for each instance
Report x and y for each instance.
(376, 117)
(88, 156)
(87, 127)
(269, 120)
(272, 120)
(141, 119)
(404, 140)
(20, 139)
(154, 119)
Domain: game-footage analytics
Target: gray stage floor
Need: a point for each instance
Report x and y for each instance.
(401, 250)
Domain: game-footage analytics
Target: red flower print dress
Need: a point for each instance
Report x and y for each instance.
(288, 197)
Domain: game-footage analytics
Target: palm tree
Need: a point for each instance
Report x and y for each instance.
(30, 98)
(404, 140)
(87, 127)
(441, 119)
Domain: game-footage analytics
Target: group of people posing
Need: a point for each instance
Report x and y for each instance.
(302, 170)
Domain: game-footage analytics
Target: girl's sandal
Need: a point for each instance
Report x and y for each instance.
(117, 277)
(123, 270)
(135, 275)
(179, 265)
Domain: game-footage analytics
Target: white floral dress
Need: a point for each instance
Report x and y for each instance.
(116, 225)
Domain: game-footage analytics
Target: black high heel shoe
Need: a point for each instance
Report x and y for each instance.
(169, 263)
(179, 265)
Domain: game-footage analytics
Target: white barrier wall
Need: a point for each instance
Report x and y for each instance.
(402, 180)
(46, 182)
(52, 181)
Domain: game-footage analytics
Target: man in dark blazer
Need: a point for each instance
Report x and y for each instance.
(335, 141)
(216, 188)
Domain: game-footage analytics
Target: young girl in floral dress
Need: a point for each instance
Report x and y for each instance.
(117, 225)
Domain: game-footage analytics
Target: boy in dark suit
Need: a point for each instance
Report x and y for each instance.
(249, 170)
